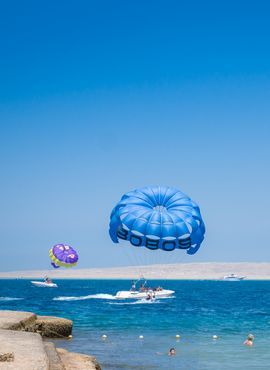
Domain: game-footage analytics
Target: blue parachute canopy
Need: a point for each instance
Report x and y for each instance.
(158, 217)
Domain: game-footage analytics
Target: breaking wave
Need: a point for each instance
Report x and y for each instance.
(5, 299)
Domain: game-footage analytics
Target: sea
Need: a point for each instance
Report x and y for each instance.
(140, 333)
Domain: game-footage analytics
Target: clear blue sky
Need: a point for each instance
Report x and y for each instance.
(100, 97)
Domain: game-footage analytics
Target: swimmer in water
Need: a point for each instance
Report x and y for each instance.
(172, 352)
(249, 341)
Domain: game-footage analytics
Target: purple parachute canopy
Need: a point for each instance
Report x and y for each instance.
(63, 255)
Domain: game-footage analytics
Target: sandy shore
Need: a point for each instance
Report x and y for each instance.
(194, 271)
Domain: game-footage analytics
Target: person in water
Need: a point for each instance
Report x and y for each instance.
(151, 296)
(249, 341)
(172, 352)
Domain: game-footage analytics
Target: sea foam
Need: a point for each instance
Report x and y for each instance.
(139, 301)
(5, 299)
(83, 298)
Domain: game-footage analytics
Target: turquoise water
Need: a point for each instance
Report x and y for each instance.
(198, 310)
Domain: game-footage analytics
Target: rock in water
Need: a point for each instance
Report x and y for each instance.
(76, 361)
(53, 327)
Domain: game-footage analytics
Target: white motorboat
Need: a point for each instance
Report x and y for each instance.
(44, 284)
(147, 294)
(233, 277)
(144, 292)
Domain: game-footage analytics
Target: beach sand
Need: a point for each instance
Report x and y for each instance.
(193, 271)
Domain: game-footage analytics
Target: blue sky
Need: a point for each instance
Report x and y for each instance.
(100, 97)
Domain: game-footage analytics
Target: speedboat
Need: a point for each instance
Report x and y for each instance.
(233, 277)
(144, 292)
(130, 294)
(44, 284)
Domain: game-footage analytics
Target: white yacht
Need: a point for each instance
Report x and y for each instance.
(233, 277)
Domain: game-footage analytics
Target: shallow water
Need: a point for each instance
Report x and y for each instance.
(198, 310)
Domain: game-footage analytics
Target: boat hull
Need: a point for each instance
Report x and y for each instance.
(42, 284)
(141, 295)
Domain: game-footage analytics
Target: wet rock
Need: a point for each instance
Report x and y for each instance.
(53, 327)
(77, 361)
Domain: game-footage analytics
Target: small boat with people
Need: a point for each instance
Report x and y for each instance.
(144, 292)
(47, 283)
(233, 277)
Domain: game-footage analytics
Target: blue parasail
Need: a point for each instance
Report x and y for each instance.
(158, 217)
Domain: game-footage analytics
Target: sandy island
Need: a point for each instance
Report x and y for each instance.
(181, 271)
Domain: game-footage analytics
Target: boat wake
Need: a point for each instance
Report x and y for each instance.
(6, 299)
(83, 298)
(107, 297)
(170, 297)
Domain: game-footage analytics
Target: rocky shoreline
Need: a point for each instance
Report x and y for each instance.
(24, 343)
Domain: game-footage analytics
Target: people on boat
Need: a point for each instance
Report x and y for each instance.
(47, 280)
(133, 286)
(158, 289)
(172, 352)
(143, 288)
(249, 341)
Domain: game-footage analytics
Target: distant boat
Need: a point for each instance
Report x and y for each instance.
(43, 284)
(233, 277)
